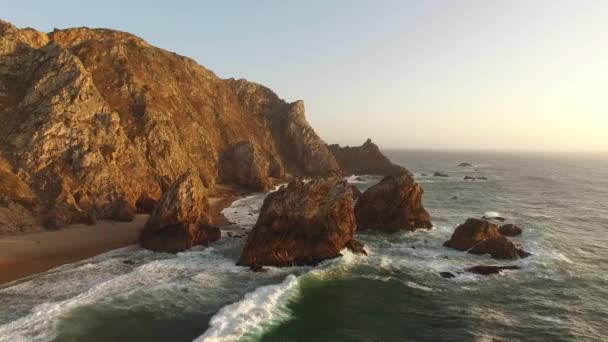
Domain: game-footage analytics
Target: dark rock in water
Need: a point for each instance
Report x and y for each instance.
(413, 247)
(474, 178)
(364, 160)
(356, 192)
(424, 175)
(257, 268)
(455, 197)
(302, 224)
(440, 174)
(482, 237)
(447, 275)
(129, 262)
(392, 205)
(509, 230)
(360, 179)
(181, 219)
(356, 247)
(464, 164)
(487, 270)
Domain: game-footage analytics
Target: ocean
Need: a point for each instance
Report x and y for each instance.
(393, 294)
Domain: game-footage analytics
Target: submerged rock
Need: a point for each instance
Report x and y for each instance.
(487, 270)
(364, 160)
(447, 274)
(302, 224)
(181, 219)
(392, 205)
(475, 178)
(440, 174)
(482, 237)
(464, 165)
(509, 230)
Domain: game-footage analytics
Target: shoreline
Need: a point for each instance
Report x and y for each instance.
(25, 255)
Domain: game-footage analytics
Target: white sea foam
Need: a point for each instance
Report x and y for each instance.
(262, 305)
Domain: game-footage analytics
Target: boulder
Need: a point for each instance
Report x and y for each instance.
(242, 164)
(482, 237)
(181, 219)
(509, 230)
(392, 205)
(488, 270)
(366, 159)
(302, 224)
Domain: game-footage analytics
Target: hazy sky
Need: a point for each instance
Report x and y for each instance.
(415, 74)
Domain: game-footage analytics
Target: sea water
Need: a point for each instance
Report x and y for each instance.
(393, 294)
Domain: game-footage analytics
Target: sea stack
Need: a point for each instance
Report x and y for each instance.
(303, 223)
(393, 205)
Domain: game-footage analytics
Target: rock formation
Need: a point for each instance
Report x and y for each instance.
(181, 219)
(393, 204)
(17, 203)
(464, 164)
(302, 224)
(509, 230)
(242, 164)
(97, 122)
(356, 192)
(440, 174)
(482, 237)
(364, 160)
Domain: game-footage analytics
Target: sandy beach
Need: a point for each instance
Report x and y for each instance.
(28, 254)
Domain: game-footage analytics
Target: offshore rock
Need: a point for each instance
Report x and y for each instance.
(364, 160)
(392, 205)
(509, 230)
(302, 224)
(482, 237)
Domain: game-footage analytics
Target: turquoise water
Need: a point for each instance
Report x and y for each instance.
(394, 294)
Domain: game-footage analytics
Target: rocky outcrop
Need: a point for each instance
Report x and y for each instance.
(181, 219)
(392, 205)
(18, 204)
(364, 160)
(242, 164)
(96, 122)
(464, 164)
(482, 237)
(356, 192)
(302, 224)
(509, 230)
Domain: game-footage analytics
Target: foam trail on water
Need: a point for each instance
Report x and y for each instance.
(264, 304)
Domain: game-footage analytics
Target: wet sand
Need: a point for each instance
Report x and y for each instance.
(28, 254)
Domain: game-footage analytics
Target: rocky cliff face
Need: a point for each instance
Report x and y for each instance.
(364, 160)
(95, 121)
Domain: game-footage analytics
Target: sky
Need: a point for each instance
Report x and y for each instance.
(453, 74)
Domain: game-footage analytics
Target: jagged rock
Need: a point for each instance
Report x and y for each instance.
(242, 164)
(356, 192)
(302, 224)
(181, 219)
(99, 122)
(464, 165)
(509, 230)
(17, 203)
(482, 237)
(364, 160)
(393, 204)
(488, 270)
(440, 174)
(447, 274)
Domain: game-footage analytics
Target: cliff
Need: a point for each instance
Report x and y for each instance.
(364, 160)
(97, 122)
